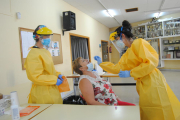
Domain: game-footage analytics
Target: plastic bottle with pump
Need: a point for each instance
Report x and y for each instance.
(14, 106)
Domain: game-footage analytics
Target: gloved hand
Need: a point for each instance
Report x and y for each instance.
(60, 77)
(124, 74)
(98, 59)
(59, 82)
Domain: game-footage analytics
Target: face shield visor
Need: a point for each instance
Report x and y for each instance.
(118, 44)
(46, 40)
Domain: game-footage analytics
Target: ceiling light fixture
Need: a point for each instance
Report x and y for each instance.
(158, 14)
(109, 13)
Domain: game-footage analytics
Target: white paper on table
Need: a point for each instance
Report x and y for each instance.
(99, 69)
(9, 111)
(101, 73)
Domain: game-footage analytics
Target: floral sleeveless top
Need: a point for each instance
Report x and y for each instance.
(103, 92)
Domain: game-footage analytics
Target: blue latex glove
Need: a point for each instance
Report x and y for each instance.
(60, 77)
(124, 74)
(59, 82)
(98, 59)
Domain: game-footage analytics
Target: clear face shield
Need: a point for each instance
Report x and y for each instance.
(46, 40)
(118, 44)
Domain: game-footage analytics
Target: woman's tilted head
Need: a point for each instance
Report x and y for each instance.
(80, 65)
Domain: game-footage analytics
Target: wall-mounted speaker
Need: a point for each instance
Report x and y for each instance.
(69, 21)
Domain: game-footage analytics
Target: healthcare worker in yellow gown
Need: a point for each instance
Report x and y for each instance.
(40, 70)
(156, 99)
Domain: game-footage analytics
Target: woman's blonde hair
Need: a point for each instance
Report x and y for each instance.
(76, 66)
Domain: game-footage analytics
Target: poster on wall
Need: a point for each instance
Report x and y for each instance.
(27, 42)
(54, 49)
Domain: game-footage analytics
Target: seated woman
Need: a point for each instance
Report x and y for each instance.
(95, 90)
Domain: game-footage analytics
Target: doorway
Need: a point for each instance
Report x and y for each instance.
(105, 51)
(80, 47)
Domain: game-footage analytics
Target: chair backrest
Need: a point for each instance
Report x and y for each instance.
(74, 99)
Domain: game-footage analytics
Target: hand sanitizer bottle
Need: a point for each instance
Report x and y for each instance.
(14, 106)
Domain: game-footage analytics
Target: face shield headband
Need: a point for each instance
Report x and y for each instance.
(121, 33)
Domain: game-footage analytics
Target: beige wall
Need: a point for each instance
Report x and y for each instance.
(115, 57)
(169, 64)
(34, 13)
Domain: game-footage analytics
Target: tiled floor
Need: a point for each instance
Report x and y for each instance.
(129, 94)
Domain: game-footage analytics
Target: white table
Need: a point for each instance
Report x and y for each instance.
(81, 112)
(87, 112)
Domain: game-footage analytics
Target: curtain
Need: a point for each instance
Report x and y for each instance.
(79, 47)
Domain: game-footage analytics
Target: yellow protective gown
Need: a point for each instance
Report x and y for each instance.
(156, 99)
(40, 70)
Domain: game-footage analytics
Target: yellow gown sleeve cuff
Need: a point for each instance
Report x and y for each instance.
(57, 73)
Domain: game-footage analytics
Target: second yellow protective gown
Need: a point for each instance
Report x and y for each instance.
(40, 70)
(156, 99)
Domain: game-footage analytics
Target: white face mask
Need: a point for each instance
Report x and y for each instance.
(120, 44)
(90, 67)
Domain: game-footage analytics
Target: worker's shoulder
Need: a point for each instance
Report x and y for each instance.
(34, 52)
(140, 41)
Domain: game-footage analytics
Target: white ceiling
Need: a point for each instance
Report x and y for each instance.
(94, 9)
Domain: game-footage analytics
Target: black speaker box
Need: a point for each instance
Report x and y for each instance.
(69, 21)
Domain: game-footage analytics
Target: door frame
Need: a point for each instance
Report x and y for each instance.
(89, 50)
(108, 49)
